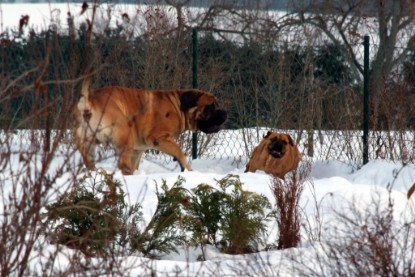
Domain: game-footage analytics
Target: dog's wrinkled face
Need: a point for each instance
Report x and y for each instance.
(278, 144)
(211, 119)
(277, 148)
(205, 111)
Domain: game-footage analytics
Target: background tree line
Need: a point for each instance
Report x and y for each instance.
(255, 83)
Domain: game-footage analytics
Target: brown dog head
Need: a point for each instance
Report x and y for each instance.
(278, 143)
(203, 109)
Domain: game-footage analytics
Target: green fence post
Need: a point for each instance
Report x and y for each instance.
(366, 101)
(195, 85)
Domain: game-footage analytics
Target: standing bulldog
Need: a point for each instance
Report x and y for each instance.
(134, 120)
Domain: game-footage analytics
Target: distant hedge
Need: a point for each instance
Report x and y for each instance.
(259, 84)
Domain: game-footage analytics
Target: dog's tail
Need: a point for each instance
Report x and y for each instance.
(85, 87)
(83, 102)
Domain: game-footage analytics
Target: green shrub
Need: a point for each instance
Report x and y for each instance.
(243, 217)
(93, 217)
(164, 231)
(205, 214)
(238, 217)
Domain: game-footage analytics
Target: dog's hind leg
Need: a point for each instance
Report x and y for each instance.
(85, 146)
(123, 142)
(125, 162)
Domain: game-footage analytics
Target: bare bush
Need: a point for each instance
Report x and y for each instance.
(369, 240)
(287, 197)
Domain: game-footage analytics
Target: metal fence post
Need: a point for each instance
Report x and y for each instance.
(366, 101)
(195, 85)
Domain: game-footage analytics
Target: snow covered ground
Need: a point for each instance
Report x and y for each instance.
(333, 186)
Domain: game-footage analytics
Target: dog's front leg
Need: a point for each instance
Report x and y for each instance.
(169, 146)
(137, 158)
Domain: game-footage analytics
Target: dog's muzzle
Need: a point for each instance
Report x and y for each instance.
(277, 149)
(213, 123)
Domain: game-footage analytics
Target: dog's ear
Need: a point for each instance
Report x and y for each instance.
(268, 134)
(290, 140)
(188, 99)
